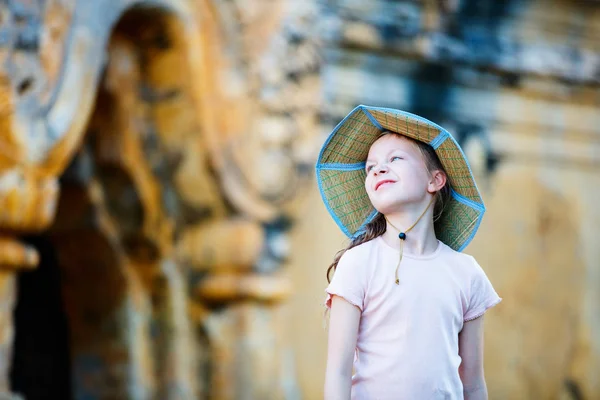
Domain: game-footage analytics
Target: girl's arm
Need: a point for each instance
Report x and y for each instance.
(343, 333)
(470, 349)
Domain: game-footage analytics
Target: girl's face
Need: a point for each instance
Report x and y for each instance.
(396, 174)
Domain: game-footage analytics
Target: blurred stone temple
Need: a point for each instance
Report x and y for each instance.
(161, 233)
(149, 151)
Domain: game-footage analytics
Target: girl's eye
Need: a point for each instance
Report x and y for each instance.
(369, 168)
(396, 158)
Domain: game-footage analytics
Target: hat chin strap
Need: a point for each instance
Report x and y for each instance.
(402, 234)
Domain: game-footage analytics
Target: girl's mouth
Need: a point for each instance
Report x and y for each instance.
(383, 182)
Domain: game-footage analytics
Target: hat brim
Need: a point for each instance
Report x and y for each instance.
(341, 172)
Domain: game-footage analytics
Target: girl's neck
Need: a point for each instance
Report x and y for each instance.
(420, 240)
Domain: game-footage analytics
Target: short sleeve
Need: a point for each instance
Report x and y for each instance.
(348, 281)
(482, 295)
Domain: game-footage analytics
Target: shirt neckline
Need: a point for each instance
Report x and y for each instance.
(407, 254)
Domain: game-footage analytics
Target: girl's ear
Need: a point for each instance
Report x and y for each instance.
(438, 181)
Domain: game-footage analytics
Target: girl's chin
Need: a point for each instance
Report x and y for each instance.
(391, 207)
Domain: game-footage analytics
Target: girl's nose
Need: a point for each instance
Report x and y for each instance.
(381, 169)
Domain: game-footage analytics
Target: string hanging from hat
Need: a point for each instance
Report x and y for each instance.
(402, 235)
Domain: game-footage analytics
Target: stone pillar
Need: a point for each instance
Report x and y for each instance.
(13, 257)
(242, 319)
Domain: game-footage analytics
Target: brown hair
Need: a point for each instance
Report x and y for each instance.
(378, 225)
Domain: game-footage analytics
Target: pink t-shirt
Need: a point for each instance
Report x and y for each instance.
(407, 345)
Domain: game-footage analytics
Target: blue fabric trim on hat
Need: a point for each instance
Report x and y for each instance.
(476, 206)
(470, 238)
(462, 153)
(361, 229)
(439, 139)
(404, 113)
(342, 166)
(466, 201)
(372, 118)
(318, 168)
(329, 209)
(333, 132)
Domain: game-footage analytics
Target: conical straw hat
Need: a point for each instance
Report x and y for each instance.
(341, 172)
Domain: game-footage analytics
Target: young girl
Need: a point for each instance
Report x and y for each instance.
(406, 307)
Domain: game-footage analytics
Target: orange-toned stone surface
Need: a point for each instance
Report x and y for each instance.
(135, 139)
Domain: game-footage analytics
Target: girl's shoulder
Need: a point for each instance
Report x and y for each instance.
(459, 256)
(360, 253)
(457, 259)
